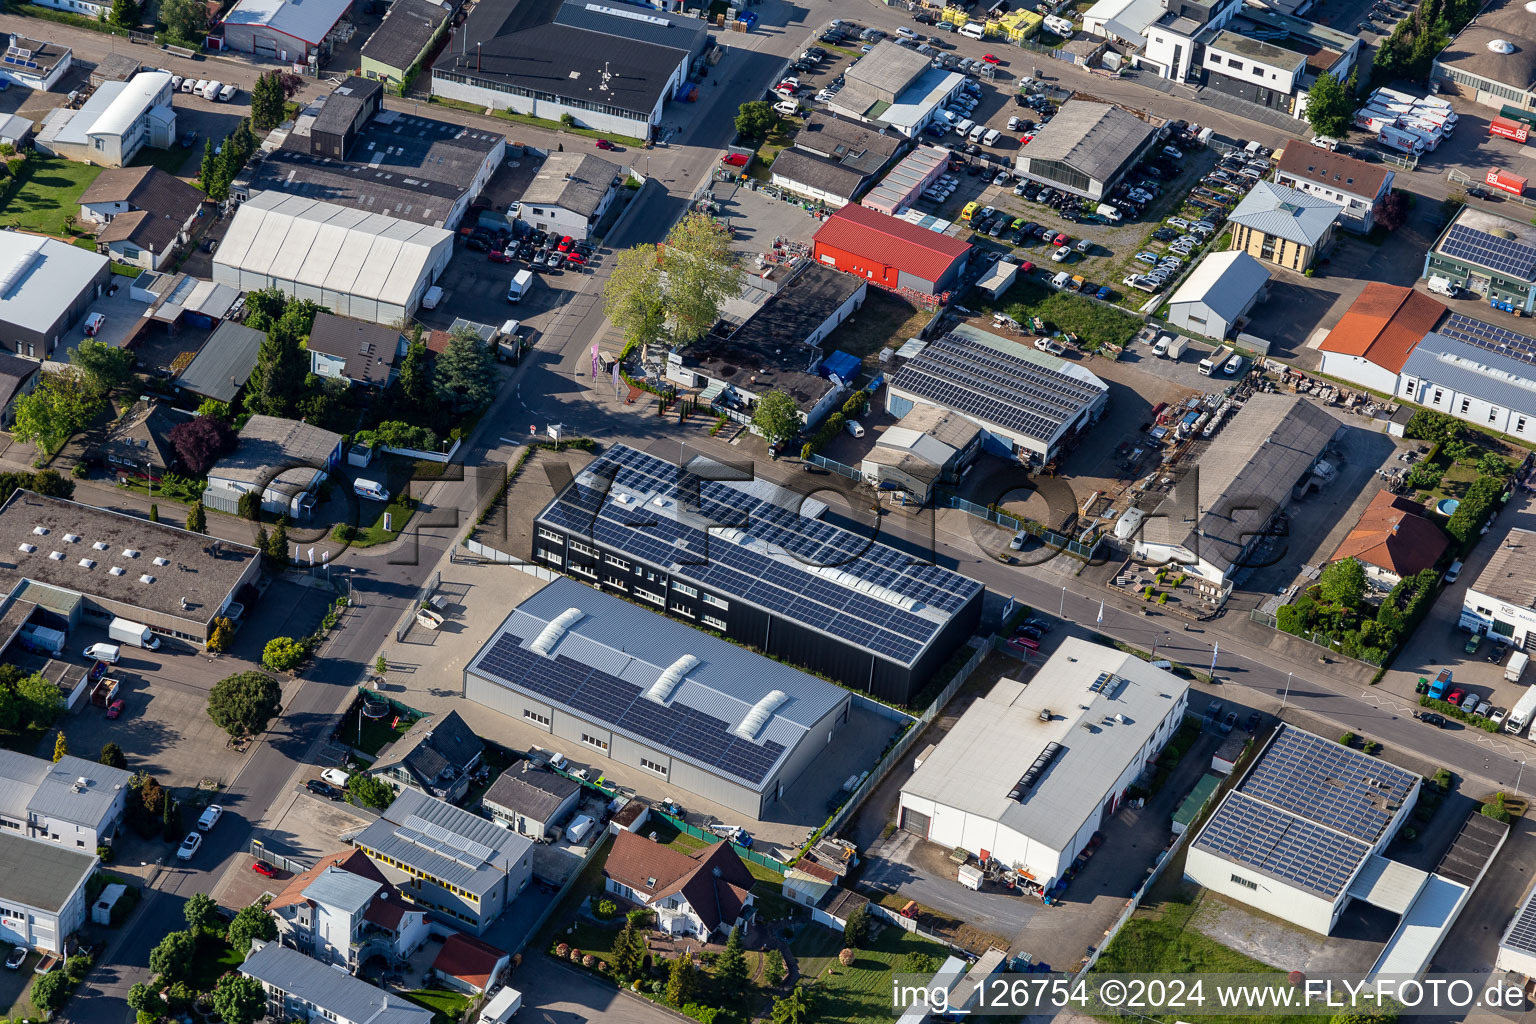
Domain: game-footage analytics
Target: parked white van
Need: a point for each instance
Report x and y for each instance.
(977, 131)
(965, 126)
(990, 139)
(854, 427)
(370, 489)
(1108, 212)
(973, 30)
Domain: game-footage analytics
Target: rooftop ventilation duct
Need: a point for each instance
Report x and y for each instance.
(759, 715)
(27, 548)
(667, 683)
(550, 635)
(1501, 46)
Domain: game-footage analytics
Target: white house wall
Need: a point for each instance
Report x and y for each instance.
(1480, 611)
(1468, 407)
(1288, 903)
(551, 110)
(821, 195)
(1361, 371)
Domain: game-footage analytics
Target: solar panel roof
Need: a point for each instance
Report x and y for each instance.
(1521, 934)
(738, 539)
(1503, 255)
(1490, 337)
(1309, 812)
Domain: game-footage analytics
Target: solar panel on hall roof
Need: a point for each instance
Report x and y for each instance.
(1490, 337)
(1522, 930)
(1504, 255)
(1332, 785)
(1309, 856)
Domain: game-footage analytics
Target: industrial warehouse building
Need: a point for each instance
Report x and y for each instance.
(1219, 512)
(1501, 602)
(642, 691)
(1493, 60)
(104, 564)
(1030, 405)
(1492, 257)
(834, 159)
(1372, 340)
(752, 561)
(1303, 833)
(1032, 770)
(46, 286)
(363, 265)
(294, 31)
(890, 252)
(1218, 294)
(1086, 149)
(895, 87)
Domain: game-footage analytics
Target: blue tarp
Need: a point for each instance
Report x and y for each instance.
(845, 366)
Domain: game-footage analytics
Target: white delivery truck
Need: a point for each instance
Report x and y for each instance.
(41, 638)
(501, 1008)
(1516, 666)
(1170, 346)
(1209, 363)
(369, 489)
(1520, 714)
(1443, 286)
(135, 633)
(519, 285)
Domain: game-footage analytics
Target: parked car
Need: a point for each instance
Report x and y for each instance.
(227, 93)
(17, 958)
(188, 138)
(319, 788)
(189, 846)
(261, 867)
(115, 709)
(1430, 718)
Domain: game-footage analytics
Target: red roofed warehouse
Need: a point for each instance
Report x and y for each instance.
(889, 252)
(1370, 344)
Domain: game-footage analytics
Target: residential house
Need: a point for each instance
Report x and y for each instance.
(299, 988)
(118, 120)
(141, 214)
(73, 802)
(437, 757)
(354, 350)
(703, 894)
(1353, 184)
(17, 378)
(1392, 540)
(1284, 226)
(139, 445)
(467, 964)
(344, 911)
(284, 461)
(570, 192)
(531, 801)
(42, 892)
(455, 864)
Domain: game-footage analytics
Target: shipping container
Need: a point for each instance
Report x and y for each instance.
(1507, 129)
(1501, 179)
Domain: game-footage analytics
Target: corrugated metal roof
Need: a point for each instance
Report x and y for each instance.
(1285, 212)
(1092, 138)
(1478, 372)
(224, 363)
(308, 20)
(1431, 916)
(1224, 282)
(451, 844)
(20, 775)
(881, 239)
(349, 999)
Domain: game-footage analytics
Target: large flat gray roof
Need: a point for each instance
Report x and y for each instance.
(39, 276)
(271, 442)
(182, 566)
(1093, 138)
(41, 874)
(1510, 574)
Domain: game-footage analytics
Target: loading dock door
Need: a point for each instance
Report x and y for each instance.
(914, 822)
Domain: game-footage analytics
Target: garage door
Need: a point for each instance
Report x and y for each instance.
(914, 822)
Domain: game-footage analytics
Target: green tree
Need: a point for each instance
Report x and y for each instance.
(201, 912)
(250, 923)
(1431, 426)
(701, 271)
(124, 15)
(632, 296)
(1494, 465)
(106, 367)
(381, 664)
(628, 951)
(221, 635)
(50, 990)
(731, 967)
(40, 701)
(856, 930)
(197, 518)
(61, 404)
(112, 756)
(185, 20)
(465, 375)
(1343, 582)
(238, 999)
(277, 380)
(277, 543)
(682, 980)
(776, 416)
(209, 170)
(60, 747)
(145, 999)
(267, 101)
(795, 1007)
(214, 408)
(370, 792)
(1330, 107)
(249, 507)
(244, 703)
(756, 119)
(1475, 505)
(283, 654)
(154, 513)
(171, 960)
(170, 824)
(415, 381)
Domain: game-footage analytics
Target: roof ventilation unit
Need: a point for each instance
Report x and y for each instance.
(116, 570)
(1501, 46)
(87, 563)
(1033, 773)
(27, 548)
(760, 713)
(550, 635)
(101, 545)
(667, 683)
(146, 578)
(130, 552)
(41, 531)
(72, 538)
(57, 556)
(162, 561)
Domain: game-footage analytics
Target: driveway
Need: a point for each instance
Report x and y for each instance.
(555, 994)
(895, 864)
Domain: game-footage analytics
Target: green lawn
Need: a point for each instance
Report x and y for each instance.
(593, 938)
(214, 958)
(854, 995)
(447, 1007)
(368, 536)
(377, 732)
(1095, 325)
(49, 194)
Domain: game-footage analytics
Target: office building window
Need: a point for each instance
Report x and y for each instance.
(718, 623)
(685, 589)
(1244, 882)
(646, 762)
(594, 742)
(534, 716)
(720, 603)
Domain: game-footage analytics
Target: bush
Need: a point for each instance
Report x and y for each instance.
(1494, 809)
(1426, 476)
(846, 957)
(606, 909)
(1474, 508)
(282, 654)
(1348, 739)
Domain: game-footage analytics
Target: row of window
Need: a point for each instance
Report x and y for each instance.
(593, 741)
(422, 876)
(646, 762)
(1486, 85)
(534, 716)
(715, 621)
(650, 595)
(573, 102)
(550, 556)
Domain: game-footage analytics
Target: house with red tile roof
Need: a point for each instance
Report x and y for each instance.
(468, 964)
(890, 252)
(702, 894)
(1372, 341)
(344, 911)
(1392, 540)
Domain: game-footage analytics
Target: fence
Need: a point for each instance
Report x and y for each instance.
(1312, 637)
(403, 627)
(771, 863)
(259, 850)
(836, 467)
(1047, 536)
(1457, 177)
(394, 705)
(425, 456)
(571, 882)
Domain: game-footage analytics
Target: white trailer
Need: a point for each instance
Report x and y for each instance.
(1520, 714)
(501, 1008)
(1516, 666)
(971, 876)
(1170, 346)
(41, 638)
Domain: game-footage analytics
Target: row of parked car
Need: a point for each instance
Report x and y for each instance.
(206, 88)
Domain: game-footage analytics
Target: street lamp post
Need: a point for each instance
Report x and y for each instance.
(1518, 774)
(1286, 695)
(1061, 608)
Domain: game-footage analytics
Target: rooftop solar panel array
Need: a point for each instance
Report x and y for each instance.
(1013, 392)
(1304, 854)
(1522, 931)
(641, 528)
(1489, 337)
(606, 699)
(1329, 784)
(1502, 255)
